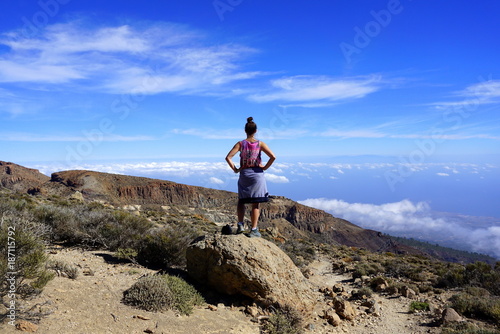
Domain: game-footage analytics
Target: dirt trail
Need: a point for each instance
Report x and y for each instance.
(394, 317)
(91, 304)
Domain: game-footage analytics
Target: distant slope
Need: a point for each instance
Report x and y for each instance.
(293, 220)
(445, 253)
(20, 178)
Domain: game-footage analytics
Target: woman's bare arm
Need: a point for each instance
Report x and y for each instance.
(269, 153)
(231, 154)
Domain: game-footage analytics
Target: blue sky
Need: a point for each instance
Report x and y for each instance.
(406, 92)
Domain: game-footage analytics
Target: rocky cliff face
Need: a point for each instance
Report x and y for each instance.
(20, 178)
(132, 190)
(290, 218)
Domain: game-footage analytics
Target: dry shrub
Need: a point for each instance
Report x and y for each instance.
(63, 268)
(476, 304)
(284, 320)
(24, 254)
(163, 292)
(166, 247)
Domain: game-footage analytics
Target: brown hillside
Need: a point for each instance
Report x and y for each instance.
(21, 179)
(290, 218)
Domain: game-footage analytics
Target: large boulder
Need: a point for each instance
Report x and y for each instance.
(253, 267)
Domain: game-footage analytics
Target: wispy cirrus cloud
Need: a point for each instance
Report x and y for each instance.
(408, 132)
(307, 88)
(485, 92)
(369, 132)
(359, 133)
(30, 137)
(264, 133)
(123, 59)
(159, 58)
(210, 133)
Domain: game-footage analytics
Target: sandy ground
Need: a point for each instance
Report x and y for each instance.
(91, 304)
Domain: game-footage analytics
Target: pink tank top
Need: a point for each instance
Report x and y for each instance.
(249, 154)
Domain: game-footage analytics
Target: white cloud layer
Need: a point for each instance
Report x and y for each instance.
(413, 220)
(158, 58)
(318, 88)
(216, 180)
(122, 59)
(276, 178)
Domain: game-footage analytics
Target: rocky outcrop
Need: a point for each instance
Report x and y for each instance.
(253, 267)
(449, 316)
(21, 179)
(124, 189)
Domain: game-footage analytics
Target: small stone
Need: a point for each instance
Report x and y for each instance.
(450, 315)
(87, 271)
(338, 288)
(26, 326)
(408, 293)
(141, 317)
(332, 317)
(344, 309)
(252, 311)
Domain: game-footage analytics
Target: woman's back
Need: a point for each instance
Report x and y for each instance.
(250, 154)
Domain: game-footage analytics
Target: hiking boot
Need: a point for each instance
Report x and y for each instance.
(240, 229)
(254, 234)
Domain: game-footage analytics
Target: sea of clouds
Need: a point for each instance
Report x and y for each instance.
(418, 221)
(452, 205)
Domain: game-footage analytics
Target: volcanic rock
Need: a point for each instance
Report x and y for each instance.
(253, 267)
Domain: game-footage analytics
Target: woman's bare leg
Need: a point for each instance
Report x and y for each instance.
(240, 211)
(254, 215)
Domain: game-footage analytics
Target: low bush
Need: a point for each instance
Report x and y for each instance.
(93, 225)
(24, 258)
(163, 292)
(367, 269)
(167, 246)
(285, 320)
(465, 328)
(419, 306)
(63, 268)
(123, 230)
(363, 293)
(474, 306)
(300, 252)
(128, 254)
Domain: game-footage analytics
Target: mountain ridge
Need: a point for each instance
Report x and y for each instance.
(290, 218)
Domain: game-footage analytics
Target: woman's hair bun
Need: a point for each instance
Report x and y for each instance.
(249, 119)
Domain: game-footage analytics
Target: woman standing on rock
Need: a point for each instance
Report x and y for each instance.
(252, 186)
